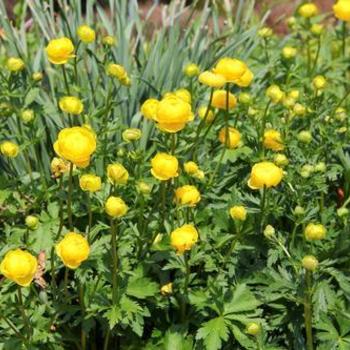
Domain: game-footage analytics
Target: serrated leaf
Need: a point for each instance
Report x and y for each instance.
(213, 333)
(142, 288)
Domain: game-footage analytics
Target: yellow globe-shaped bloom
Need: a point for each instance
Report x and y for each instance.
(238, 212)
(183, 238)
(172, 114)
(131, 134)
(164, 166)
(149, 108)
(15, 64)
(90, 182)
(86, 34)
(115, 207)
(9, 149)
(76, 145)
(273, 140)
(309, 263)
(246, 79)
(117, 71)
(166, 289)
(308, 10)
(234, 137)
(117, 174)
(71, 104)
(315, 232)
(184, 94)
(187, 195)
(265, 174)
(59, 51)
(204, 113)
(191, 70)
(342, 10)
(320, 82)
(275, 93)
(219, 100)
(212, 79)
(231, 69)
(191, 168)
(19, 266)
(109, 40)
(289, 52)
(73, 249)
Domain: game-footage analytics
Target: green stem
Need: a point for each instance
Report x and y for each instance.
(106, 342)
(65, 79)
(308, 310)
(263, 126)
(69, 199)
(344, 32)
(90, 215)
(262, 208)
(82, 305)
(186, 282)
(65, 282)
(14, 328)
(114, 260)
(23, 313)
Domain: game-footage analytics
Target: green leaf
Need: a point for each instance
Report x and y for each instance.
(142, 288)
(213, 333)
(113, 315)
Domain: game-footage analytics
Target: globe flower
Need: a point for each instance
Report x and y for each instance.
(86, 34)
(305, 136)
(15, 64)
(132, 134)
(183, 94)
(253, 329)
(317, 29)
(117, 174)
(76, 145)
(166, 289)
(191, 168)
(58, 167)
(234, 71)
(149, 108)
(164, 166)
(109, 40)
(265, 32)
(245, 98)
(212, 79)
(37, 76)
(9, 149)
(342, 10)
(71, 104)
(90, 182)
(265, 174)
(32, 222)
(204, 113)
(116, 71)
(220, 97)
(115, 207)
(27, 115)
(319, 82)
(187, 195)
(19, 266)
(280, 159)
(299, 109)
(238, 212)
(144, 187)
(274, 93)
(191, 70)
(73, 249)
(59, 51)
(234, 137)
(310, 263)
(308, 10)
(172, 114)
(314, 232)
(183, 238)
(289, 52)
(273, 140)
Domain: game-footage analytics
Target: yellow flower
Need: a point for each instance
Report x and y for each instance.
(342, 10)
(117, 174)
(191, 70)
(37, 76)
(191, 167)
(289, 52)
(245, 98)
(73, 249)
(310, 263)
(109, 40)
(132, 134)
(15, 64)
(149, 108)
(71, 104)
(294, 94)
(319, 82)
(314, 232)
(59, 51)
(187, 195)
(166, 289)
(117, 71)
(231, 69)
(317, 28)
(234, 137)
(265, 174)
(59, 166)
(246, 79)
(308, 10)
(238, 212)
(90, 182)
(273, 140)
(199, 175)
(172, 114)
(211, 79)
(164, 166)
(299, 109)
(115, 207)
(274, 93)
(9, 149)
(19, 266)
(204, 113)
(76, 144)
(183, 238)
(183, 94)
(219, 100)
(265, 32)
(86, 34)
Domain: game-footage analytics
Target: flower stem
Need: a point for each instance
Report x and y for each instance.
(186, 281)
(82, 305)
(263, 208)
(65, 79)
(344, 32)
(69, 200)
(65, 282)
(308, 310)
(23, 313)
(114, 260)
(90, 216)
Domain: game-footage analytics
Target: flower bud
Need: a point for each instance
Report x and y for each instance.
(299, 109)
(319, 82)
(37, 76)
(253, 328)
(191, 70)
(144, 187)
(9, 149)
(291, 22)
(115, 207)
(289, 52)
(15, 64)
(132, 134)
(166, 289)
(317, 29)
(299, 211)
(315, 232)
(280, 159)
(274, 93)
(27, 115)
(109, 40)
(117, 174)
(320, 167)
(86, 34)
(238, 212)
(269, 232)
(305, 136)
(310, 263)
(245, 98)
(342, 212)
(265, 32)
(90, 183)
(32, 222)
